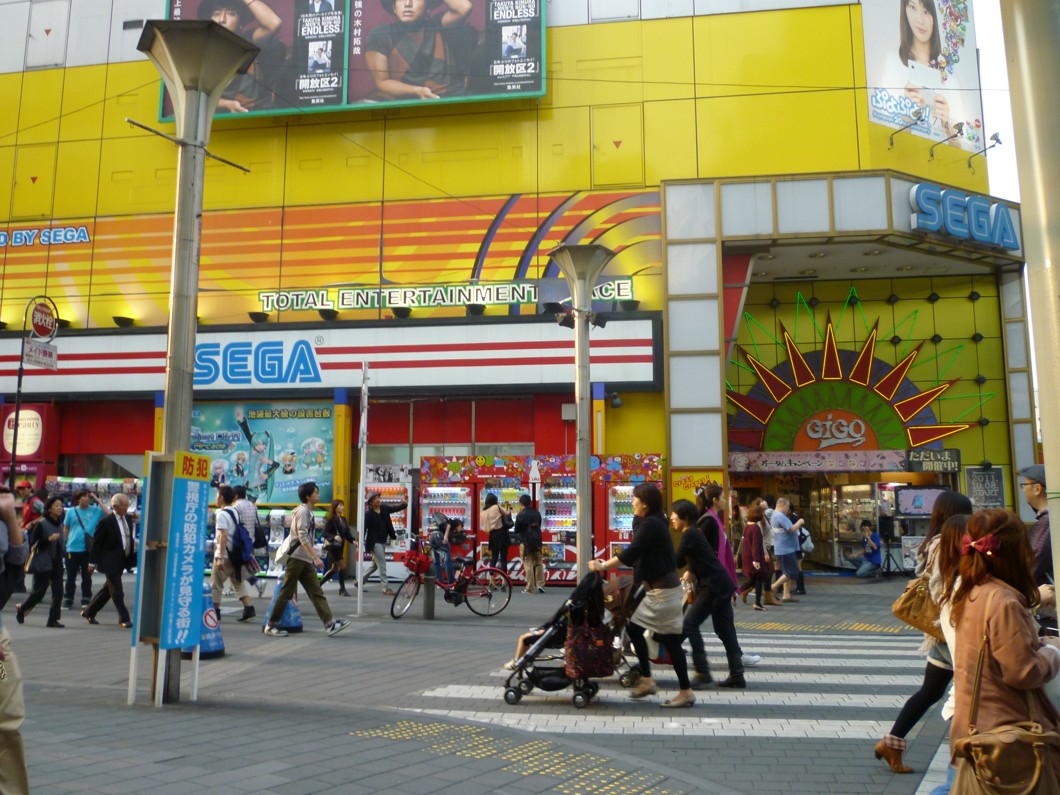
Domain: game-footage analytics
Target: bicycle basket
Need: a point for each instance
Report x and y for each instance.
(417, 562)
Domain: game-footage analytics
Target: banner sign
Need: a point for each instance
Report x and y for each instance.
(985, 487)
(811, 461)
(620, 289)
(934, 460)
(41, 354)
(182, 603)
(270, 448)
(343, 54)
(922, 69)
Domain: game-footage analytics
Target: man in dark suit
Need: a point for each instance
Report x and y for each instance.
(317, 7)
(112, 553)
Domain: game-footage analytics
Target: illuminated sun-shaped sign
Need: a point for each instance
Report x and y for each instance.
(837, 400)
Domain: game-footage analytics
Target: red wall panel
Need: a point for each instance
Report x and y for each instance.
(552, 436)
(388, 423)
(102, 427)
(499, 421)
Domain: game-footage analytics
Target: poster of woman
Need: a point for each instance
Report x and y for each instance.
(921, 66)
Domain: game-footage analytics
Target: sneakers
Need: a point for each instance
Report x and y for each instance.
(68, 604)
(540, 590)
(248, 613)
(335, 627)
(274, 631)
(751, 660)
(510, 665)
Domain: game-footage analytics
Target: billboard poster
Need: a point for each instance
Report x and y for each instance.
(921, 68)
(270, 448)
(342, 54)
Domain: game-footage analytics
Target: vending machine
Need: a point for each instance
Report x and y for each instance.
(394, 484)
(559, 527)
(614, 480)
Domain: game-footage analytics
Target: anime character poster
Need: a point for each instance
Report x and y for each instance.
(301, 64)
(921, 69)
(270, 448)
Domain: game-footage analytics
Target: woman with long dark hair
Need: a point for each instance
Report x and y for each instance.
(938, 673)
(46, 534)
(651, 555)
(492, 519)
(992, 606)
(337, 534)
(711, 523)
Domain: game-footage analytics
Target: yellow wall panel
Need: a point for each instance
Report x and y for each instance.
(132, 90)
(779, 134)
(639, 426)
(461, 155)
(38, 117)
(563, 149)
(668, 77)
(618, 145)
(76, 178)
(669, 140)
(137, 175)
(10, 98)
(261, 150)
(34, 183)
(340, 161)
(83, 93)
(783, 52)
(7, 177)
(595, 65)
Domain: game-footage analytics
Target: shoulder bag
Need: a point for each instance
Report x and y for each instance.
(290, 543)
(916, 607)
(1015, 759)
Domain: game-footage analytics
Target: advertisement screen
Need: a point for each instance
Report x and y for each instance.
(921, 68)
(342, 54)
(270, 448)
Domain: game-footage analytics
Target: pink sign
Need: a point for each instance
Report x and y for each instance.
(812, 461)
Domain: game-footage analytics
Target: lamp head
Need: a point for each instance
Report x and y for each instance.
(616, 401)
(958, 128)
(996, 138)
(565, 319)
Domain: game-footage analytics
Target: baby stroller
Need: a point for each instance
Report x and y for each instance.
(583, 610)
(621, 600)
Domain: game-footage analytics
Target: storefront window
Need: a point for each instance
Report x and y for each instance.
(87, 465)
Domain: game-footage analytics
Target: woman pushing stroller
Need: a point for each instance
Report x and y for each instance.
(651, 554)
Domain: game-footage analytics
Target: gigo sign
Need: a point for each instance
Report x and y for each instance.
(834, 429)
(966, 217)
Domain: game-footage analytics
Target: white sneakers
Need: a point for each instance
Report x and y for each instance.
(336, 626)
(751, 660)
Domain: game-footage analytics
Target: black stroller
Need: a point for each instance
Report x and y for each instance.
(585, 606)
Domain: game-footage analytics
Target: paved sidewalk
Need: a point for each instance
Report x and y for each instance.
(397, 704)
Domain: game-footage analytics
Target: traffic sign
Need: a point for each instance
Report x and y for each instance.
(43, 320)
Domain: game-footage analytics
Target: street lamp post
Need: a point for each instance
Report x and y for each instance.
(582, 265)
(1031, 29)
(197, 60)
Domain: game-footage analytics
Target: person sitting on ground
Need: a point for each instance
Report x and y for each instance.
(869, 561)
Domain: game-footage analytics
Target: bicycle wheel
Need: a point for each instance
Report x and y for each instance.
(405, 596)
(488, 592)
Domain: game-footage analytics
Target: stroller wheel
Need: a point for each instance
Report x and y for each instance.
(525, 687)
(512, 696)
(593, 689)
(580, 700)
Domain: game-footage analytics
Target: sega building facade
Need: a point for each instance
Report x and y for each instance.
(416, 239)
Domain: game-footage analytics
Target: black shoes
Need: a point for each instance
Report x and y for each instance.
(20, 617)
(56, 624)
(733, 680)
(702, 681)
(248, 613)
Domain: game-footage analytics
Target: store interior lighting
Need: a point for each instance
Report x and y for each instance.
(123, 322)
(62, 322)
(598, 320)
(328, 314)
(474, 310)
(258, 317)
(401, 311)
(565, 319)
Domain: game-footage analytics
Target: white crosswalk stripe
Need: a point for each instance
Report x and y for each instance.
(838, 686)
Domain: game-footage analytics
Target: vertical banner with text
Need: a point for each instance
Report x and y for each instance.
(182, 603)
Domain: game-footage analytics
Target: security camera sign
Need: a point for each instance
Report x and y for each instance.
(43, 321)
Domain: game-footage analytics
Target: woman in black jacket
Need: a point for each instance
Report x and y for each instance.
(378, 532)
(651, 553)
(336, 535)
(714, 589)
(47, 535)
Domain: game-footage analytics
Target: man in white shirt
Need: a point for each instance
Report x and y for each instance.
(225, 520)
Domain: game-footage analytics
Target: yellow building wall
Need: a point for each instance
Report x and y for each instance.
(639, 425)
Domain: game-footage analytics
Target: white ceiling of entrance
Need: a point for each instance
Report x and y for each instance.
(804, 261)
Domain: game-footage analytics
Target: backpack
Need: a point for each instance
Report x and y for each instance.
(242, 546)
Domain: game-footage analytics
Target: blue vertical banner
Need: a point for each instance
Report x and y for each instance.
(182, 604)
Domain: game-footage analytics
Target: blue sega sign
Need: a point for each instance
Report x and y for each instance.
(967, 217)
(267, 362)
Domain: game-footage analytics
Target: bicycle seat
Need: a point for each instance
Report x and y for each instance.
(463, 561)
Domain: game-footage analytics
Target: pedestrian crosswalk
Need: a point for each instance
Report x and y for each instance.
(821, 686)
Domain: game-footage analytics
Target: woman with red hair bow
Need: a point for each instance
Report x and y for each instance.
(991, 612)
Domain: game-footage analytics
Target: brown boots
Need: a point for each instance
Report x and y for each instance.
(893, 757)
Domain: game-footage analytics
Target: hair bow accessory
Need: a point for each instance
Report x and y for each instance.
(987, 545)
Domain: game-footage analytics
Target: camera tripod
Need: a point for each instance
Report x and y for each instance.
(890, 564)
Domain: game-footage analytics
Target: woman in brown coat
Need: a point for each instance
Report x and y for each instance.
(753, 558)
(996, 590)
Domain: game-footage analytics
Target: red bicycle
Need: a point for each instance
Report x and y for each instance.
(486, 591)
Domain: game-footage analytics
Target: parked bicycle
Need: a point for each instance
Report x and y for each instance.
(485, 591)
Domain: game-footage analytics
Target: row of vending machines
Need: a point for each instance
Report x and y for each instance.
(457, 487)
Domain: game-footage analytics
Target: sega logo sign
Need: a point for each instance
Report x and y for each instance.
(955, 213)
(264, 363)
